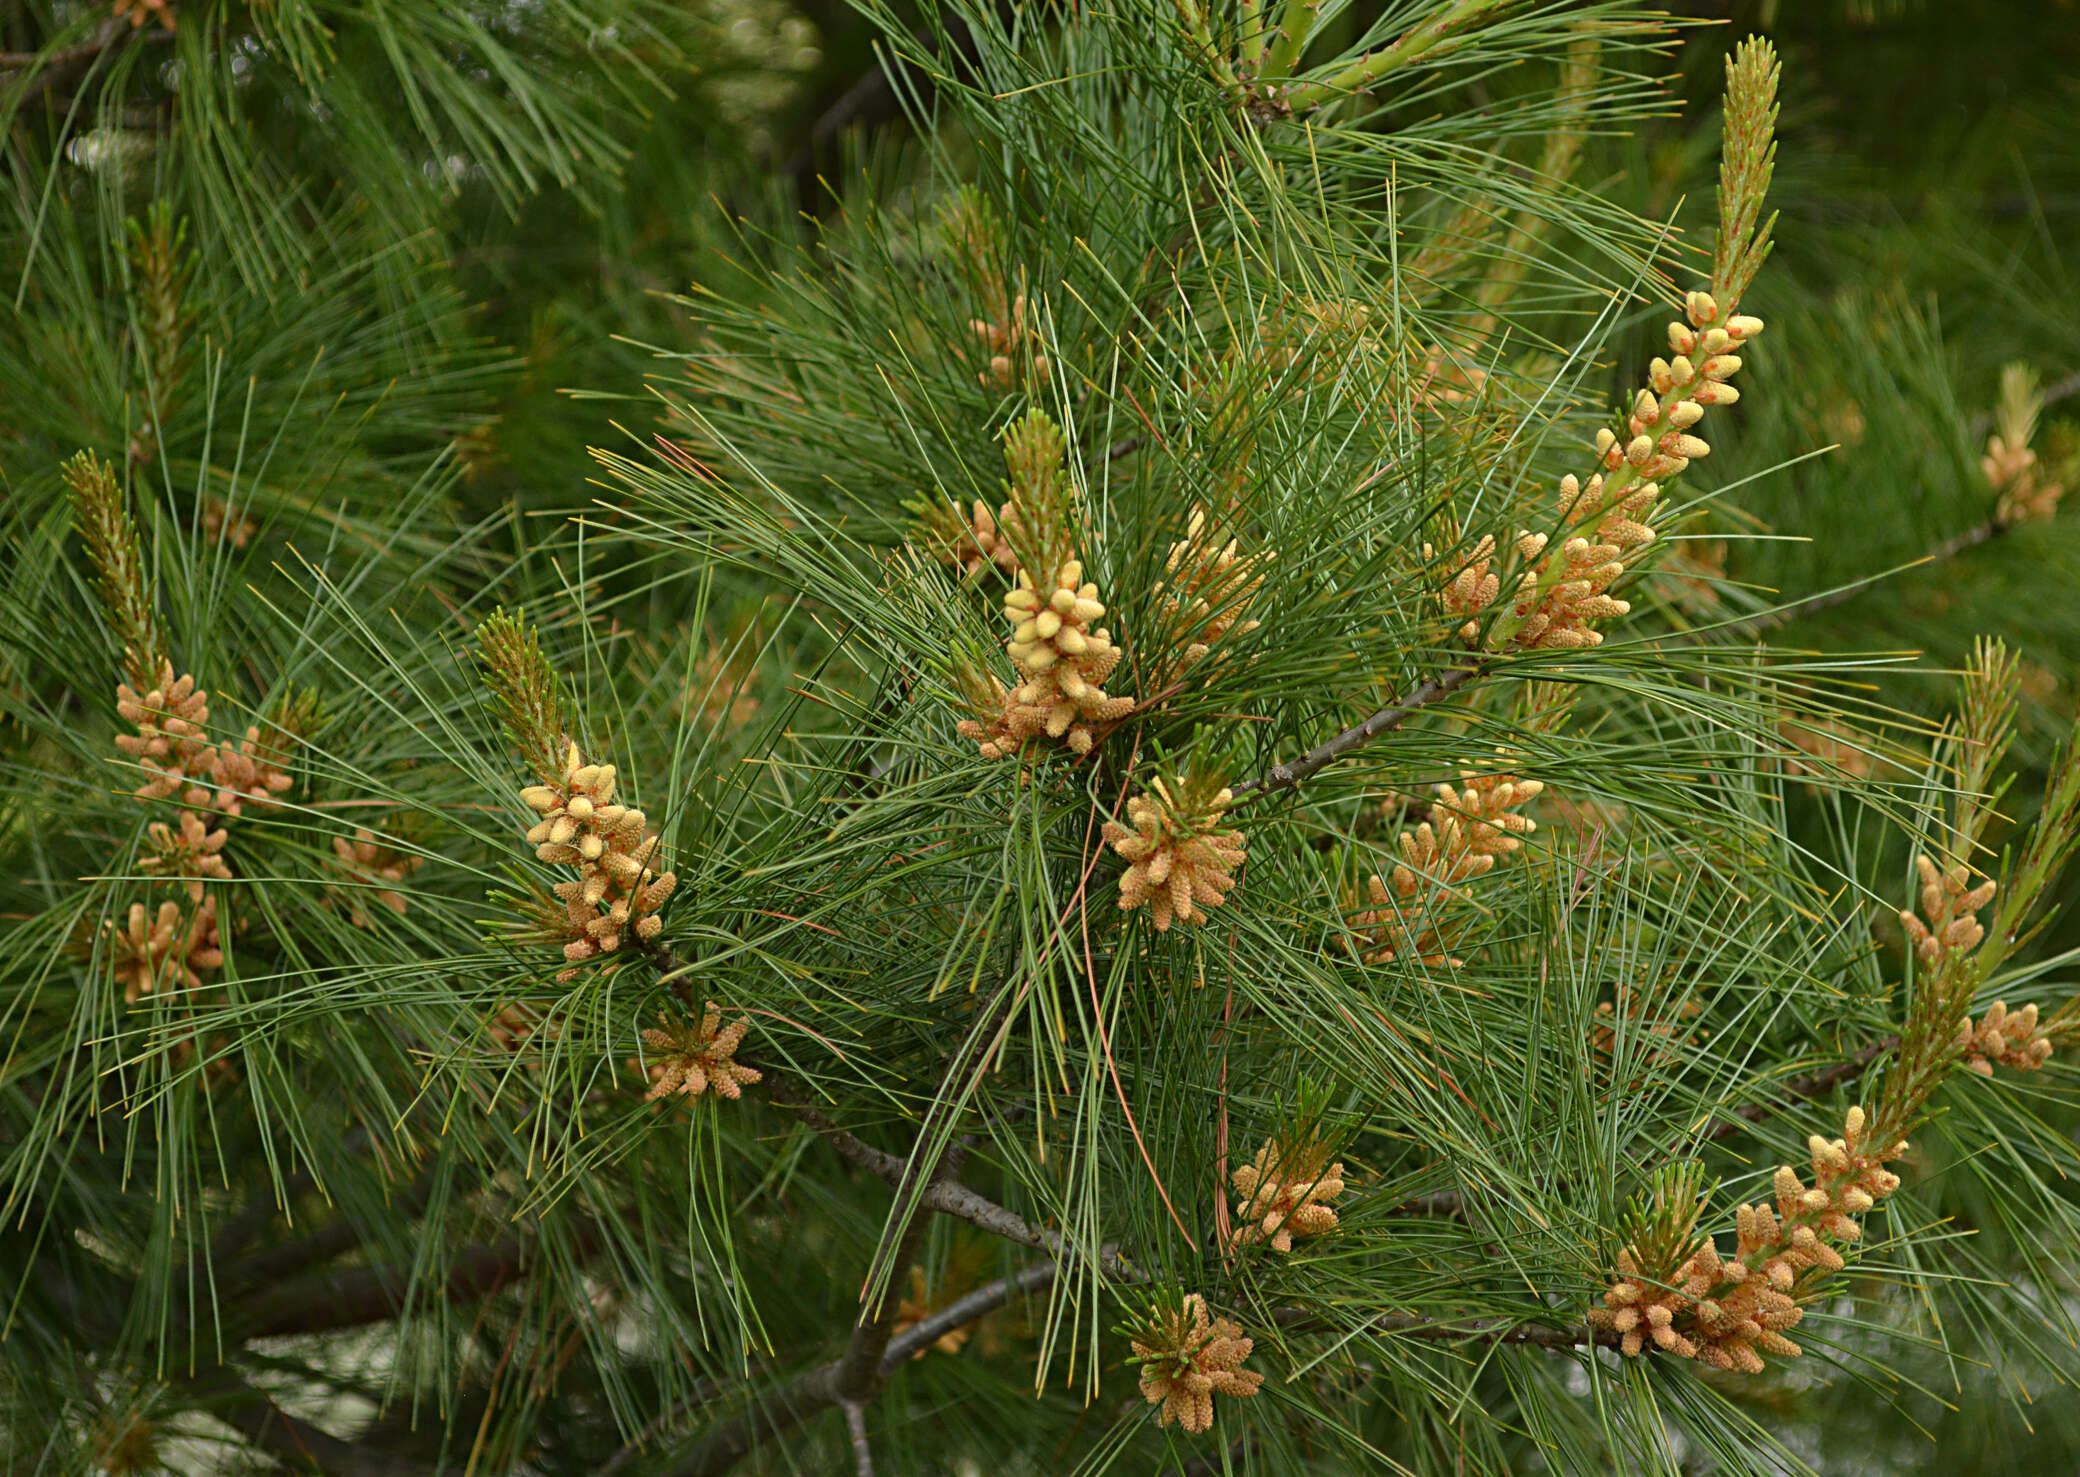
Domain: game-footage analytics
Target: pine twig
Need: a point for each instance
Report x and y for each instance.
(1485, 1331)
(963, 1311)
(856, 1428)
(1386, 720)
(946, 1196)
(848, 1381)
(359, 1295)
(39, 74)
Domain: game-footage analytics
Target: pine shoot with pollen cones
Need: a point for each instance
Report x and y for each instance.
(1061, 655)
(1562, 595)
(1468, 830)
(621, 880)
(1179, 862)
(1729, 1311)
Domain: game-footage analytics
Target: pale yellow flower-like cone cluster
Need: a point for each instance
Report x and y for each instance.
(1469, 829)
(175, 752)
(2012, 470)
(169, 950)
(1004, 330)
(176, 948)
(1188, 1358)
(250, 774)
(1563, 594)
(190, 849)
(2004, 1038)
(696, 1058)
(992, 727)
(1010, 346)
(1729, 1311)
(1063, 657)
(617, 856)
(170, 744)
(1288, 1190)
(1206, 589)
(369, 859)
(1951, 905)
(1179, 862)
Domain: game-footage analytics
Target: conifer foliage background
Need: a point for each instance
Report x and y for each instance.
(794, 739)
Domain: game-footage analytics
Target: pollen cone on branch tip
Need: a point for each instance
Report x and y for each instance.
(1179, 863)
(1187, 1358)
(1468, 830)
(1951, 905)
(188, 849)
(169, 950)
(2012, 1039)
(1729, 1311)
(1062, 657)
(1286, 1191)
(170, 744)
(617, 856)
(694, 1058)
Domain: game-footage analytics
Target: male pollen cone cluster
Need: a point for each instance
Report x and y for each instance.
(693, 1058)
(1062, 657)
(1729, 1311)
(1188, 1358)
(1952, 906)
(1286, 1191)
(1467, 831)
(1207, 584)
(1179, 863)
(616, 854)
(1562, 594)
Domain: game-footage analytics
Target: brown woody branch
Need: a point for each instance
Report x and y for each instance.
(42, 72)
(945, 1196)
(1386, 720)
(848, 1381)
(963, 1311)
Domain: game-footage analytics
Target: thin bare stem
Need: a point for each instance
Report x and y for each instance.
(856, 1428)
(1386, 720)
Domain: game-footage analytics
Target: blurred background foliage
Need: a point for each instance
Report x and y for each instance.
(509, 300)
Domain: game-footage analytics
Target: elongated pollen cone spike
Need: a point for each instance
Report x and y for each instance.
(1468, 830)
(1063, 659)
(621, 880)
(1728, 1312)
(1206, 589)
